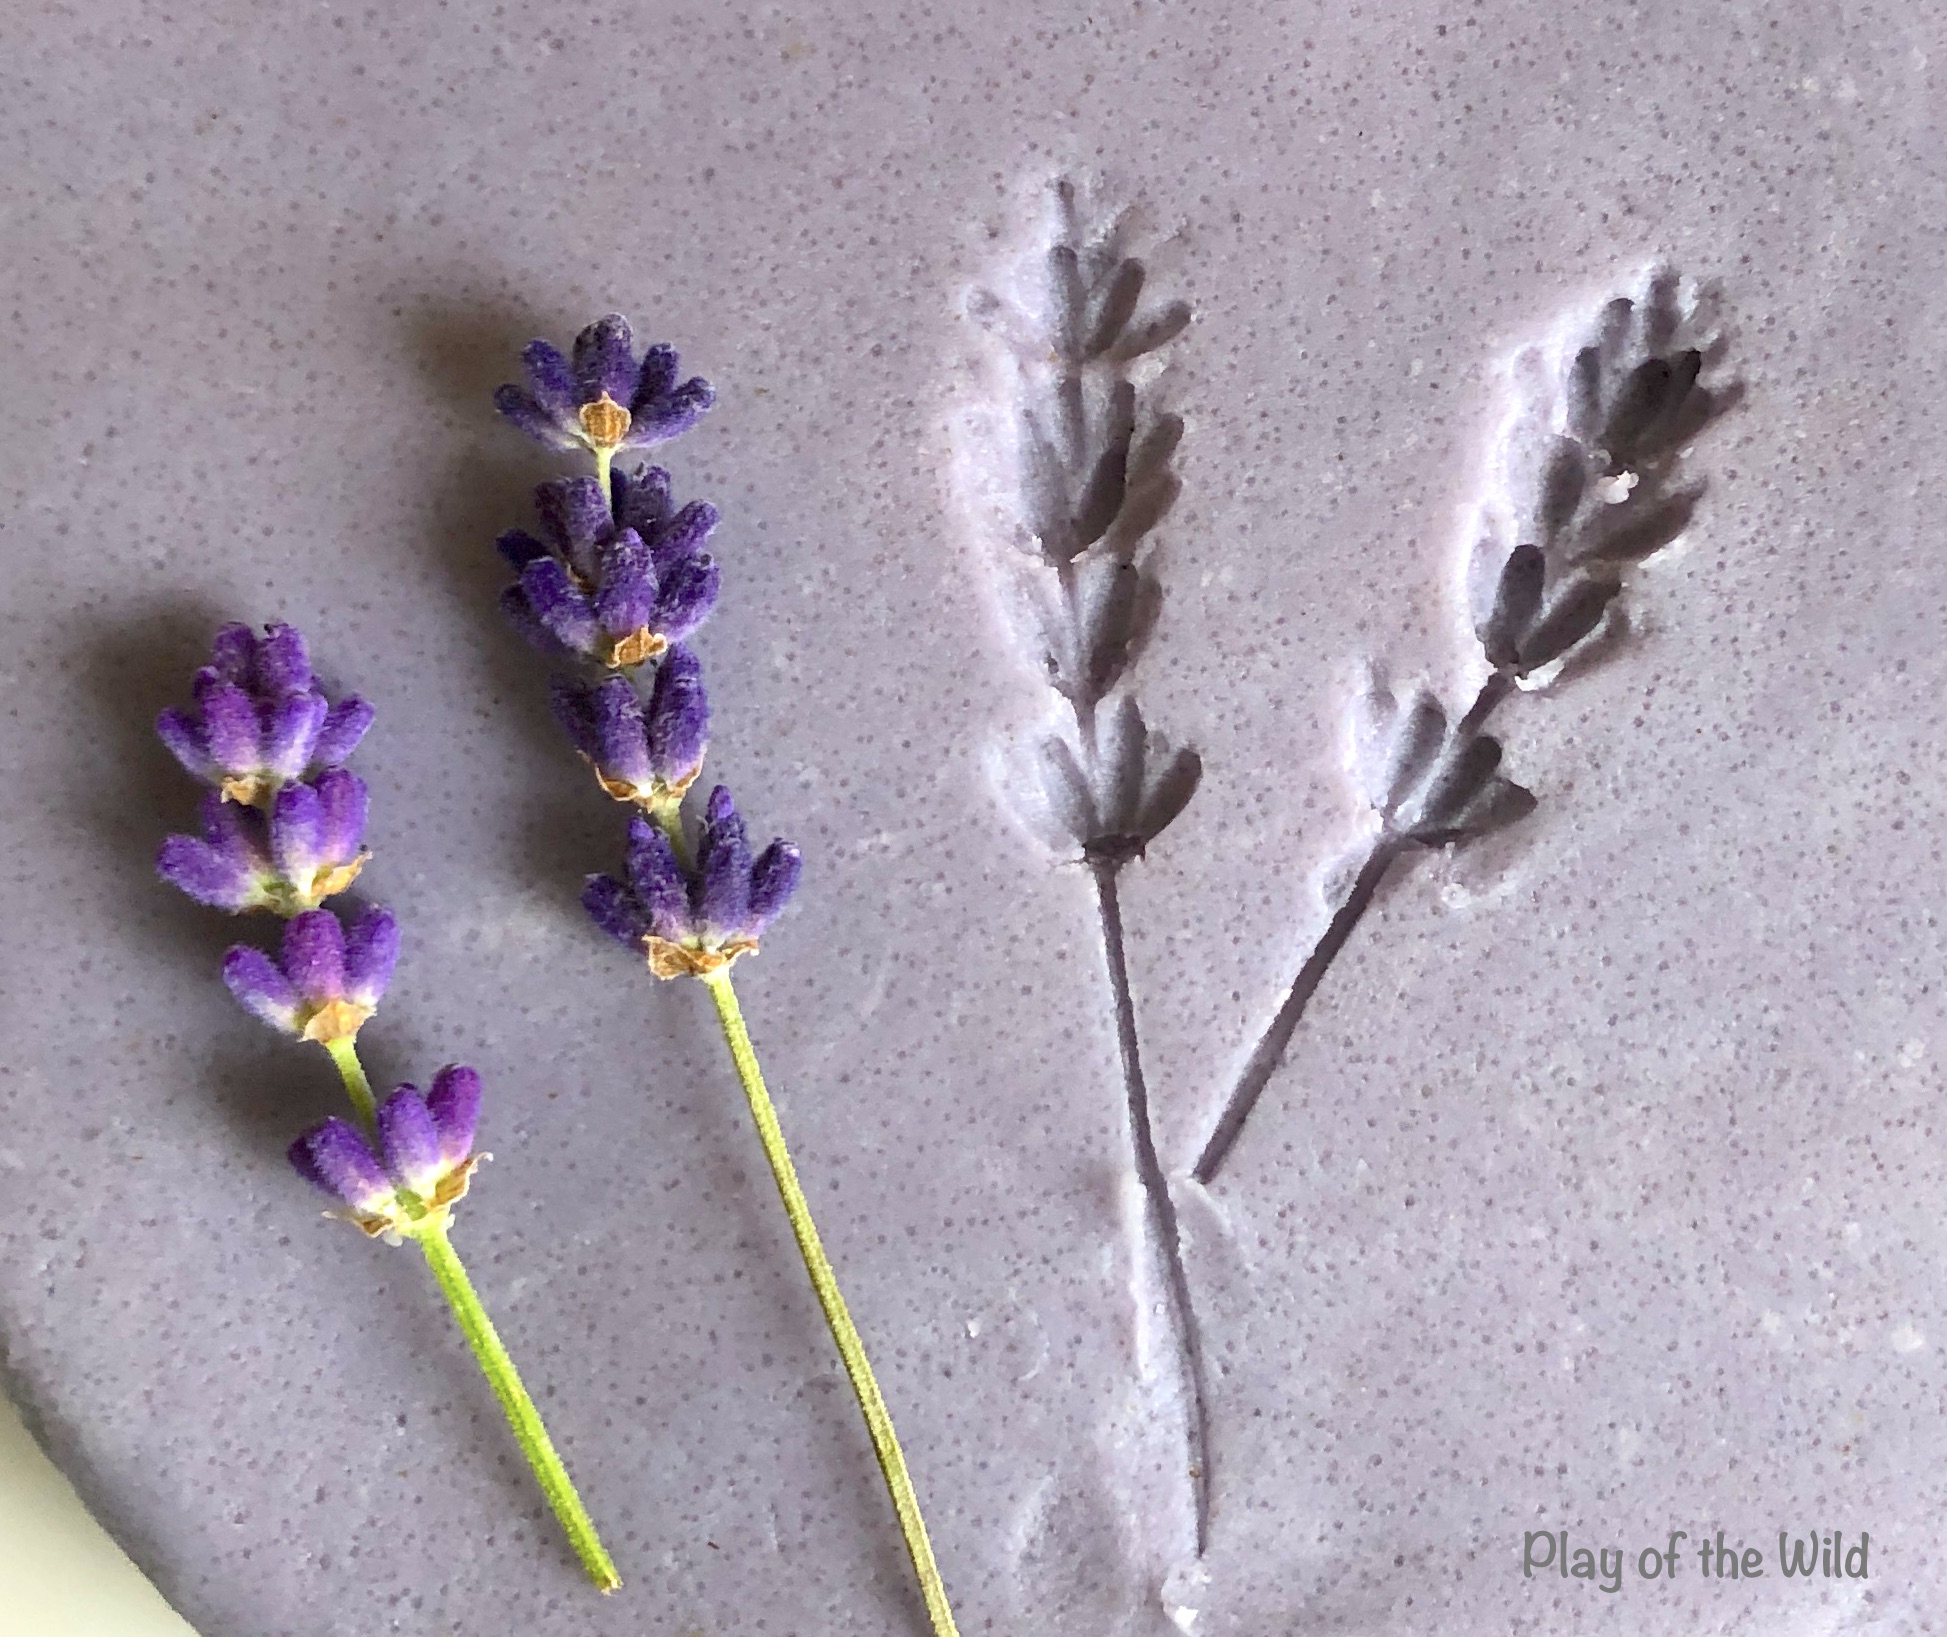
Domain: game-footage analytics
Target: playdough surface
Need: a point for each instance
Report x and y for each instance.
(1599, 1195)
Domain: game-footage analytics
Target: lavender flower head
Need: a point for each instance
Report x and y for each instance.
(309, 846)
(694, 920)
(327, 980)
(647, 756)
(284, 825)
(604, 398)
(616, 587)
(260, 720)
(421, 1168)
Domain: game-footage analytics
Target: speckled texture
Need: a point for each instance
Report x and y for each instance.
(1602, 1190)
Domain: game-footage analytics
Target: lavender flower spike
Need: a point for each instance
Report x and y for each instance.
(605, 398)
(422, 1169)
(329, 980)
(260, 720)
(650, 758)
(695, 921)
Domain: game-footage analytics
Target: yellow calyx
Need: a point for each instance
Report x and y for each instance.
(652, 799)
(604, 423)
(335, 1020)
(411, 1215)
(671, 960)
(639, 645)
(246, 792)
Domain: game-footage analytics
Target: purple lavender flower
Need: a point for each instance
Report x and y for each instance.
(328, 980)
(308, 847)
(649, 757)
(604, 399)
(228, 866)
(618, 589)
(695, 921)
(423, 1164)
(260, 720)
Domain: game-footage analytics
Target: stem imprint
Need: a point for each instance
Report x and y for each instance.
(1066, 469)
(1585, 485)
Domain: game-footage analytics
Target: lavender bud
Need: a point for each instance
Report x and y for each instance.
(326, 982)
(229, 866)
(605, 400)
(678, 721)
(334, 1158)
(454, 1103)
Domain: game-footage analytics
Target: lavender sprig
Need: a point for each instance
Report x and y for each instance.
(615, 583)
(1077, 475)
(1585, 485)
(283, 830)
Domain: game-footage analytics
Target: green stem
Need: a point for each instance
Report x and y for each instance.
(522, 1416)
(604, 458)
(878, 1421)
(345, 1054)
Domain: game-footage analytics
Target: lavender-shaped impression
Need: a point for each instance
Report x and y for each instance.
(1067, 475)
(1587, 481)
(613, 584)
(283, 829)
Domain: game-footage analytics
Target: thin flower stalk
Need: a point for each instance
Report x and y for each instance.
(1587, 483)
(613, 584)
(1069, 473)
(283, 830)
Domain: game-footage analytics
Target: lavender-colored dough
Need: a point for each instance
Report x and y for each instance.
(1603, 1189)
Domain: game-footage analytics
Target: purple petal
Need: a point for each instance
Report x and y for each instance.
(520, 409)
(261, 988)
(344, 725)
(519, 547)
(574, 517)
(723, 869)
(616, 910)
(561, 607)
(187, 743)
(291, 726)
(641, 499)
(549, 379)
(659, 881)
(233, 654)
(678, 726)
(454, 1103)
(314, 956)
(333, 1158)
(231, 726)
(342, 804)
(684, 534)
(573, 707)
(626, 598)
(605, 361)
(409, 1141)
(297, 832)
(720, 809)
(773, 879)
(688, 595)
(371, 952)
(210, 875)
(671, 415)
(283, 660)
(527, 624)
(621, 739)
(658, 373)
